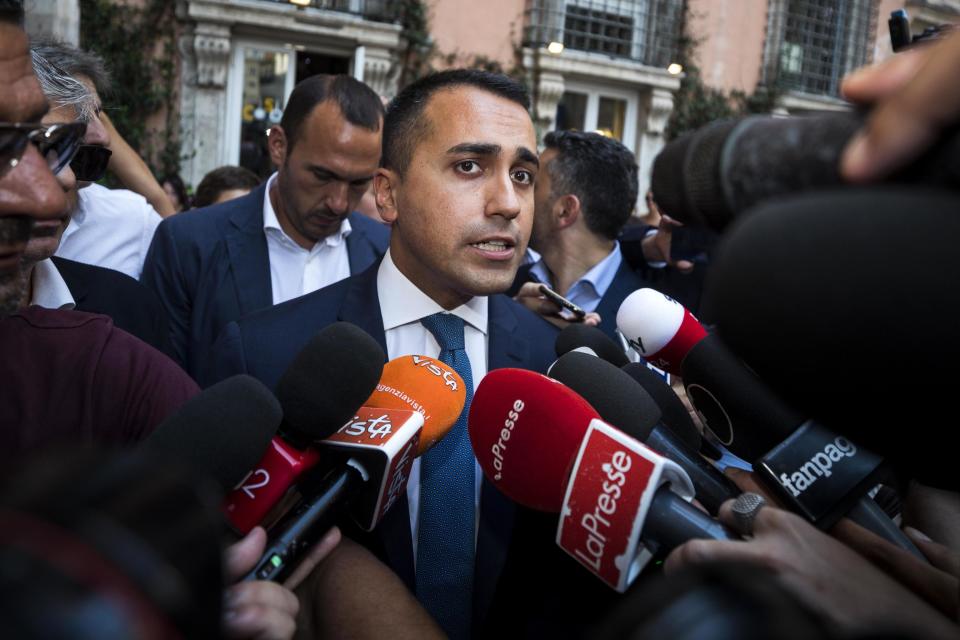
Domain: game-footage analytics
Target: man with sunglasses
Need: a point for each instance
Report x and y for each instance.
(109, 228)
(59, 283)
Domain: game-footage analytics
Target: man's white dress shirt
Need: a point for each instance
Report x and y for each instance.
(402, 306)
(295, 271)
(48, 289)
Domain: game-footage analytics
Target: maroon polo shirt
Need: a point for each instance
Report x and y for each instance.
(68, 377)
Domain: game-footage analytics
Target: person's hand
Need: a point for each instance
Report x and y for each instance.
(529, 296)
(915, 96)
(656, 248)
(936, 582)
(825, 575)
(260, 609)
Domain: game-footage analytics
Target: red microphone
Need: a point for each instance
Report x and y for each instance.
(320, 390)
(543, 446)
(415, 404)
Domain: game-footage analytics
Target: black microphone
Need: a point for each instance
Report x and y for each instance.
(221, 432)
(714, 174)
(844, 303)
(320, 390)
(627, 406)
(675, 415)
(577, 335)
(817, 473)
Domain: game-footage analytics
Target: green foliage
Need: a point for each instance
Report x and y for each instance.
(696, 104)
(138, 43)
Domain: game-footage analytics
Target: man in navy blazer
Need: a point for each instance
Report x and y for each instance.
(293, 235)
(586, 191)
(457, 185)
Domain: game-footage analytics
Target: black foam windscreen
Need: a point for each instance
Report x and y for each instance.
(716, 173)
(329, 380)
(616, 396)
(675, 414)
(222, 431)
(846, 304)
(579, 335)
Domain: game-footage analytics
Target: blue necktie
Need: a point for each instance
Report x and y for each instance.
(445, 544)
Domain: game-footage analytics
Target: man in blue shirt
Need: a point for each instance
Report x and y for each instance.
(585, 194)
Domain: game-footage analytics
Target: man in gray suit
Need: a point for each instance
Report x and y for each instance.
(291, 236)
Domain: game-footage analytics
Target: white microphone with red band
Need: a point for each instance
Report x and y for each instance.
(663, 332)
(817, 475)
(375, 451)
(528, 433)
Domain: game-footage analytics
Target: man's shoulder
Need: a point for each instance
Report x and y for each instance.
(48, 320)
(313, 310)
(112, 278)
(214, 220)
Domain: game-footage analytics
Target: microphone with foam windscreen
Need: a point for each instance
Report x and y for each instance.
(545, 447)
(623, 403)
(845, 303)
(817, 473)
(196, 436)
(716, 173)
(579, 335)
(321, 389)
(675, 415)
(415, 404)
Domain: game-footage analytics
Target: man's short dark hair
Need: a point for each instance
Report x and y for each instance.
(405, 124)
(74, 62)
(223, 179)
(600, 171)
(11, 12)
(359, 104)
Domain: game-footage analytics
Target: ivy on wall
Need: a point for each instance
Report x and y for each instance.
(695, 104)
(138, 44)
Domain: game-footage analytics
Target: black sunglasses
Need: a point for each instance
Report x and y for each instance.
(90, 162)
(57, 143)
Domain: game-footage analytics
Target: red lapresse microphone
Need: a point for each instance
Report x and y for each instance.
(320, 390)
(415, 403)
(545, 447)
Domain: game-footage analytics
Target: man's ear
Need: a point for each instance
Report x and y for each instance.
(277, 145)
(566, 210)
(385, 183)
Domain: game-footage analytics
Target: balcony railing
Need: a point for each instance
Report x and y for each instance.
(377, 10)
(645, 31)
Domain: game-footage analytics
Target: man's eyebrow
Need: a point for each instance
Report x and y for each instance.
(475, 148)
(489, 149)
(316, 168)
(526, 155)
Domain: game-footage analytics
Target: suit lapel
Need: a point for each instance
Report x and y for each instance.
(249, 258)
(624, 283)
(360, 249)
(361, 306)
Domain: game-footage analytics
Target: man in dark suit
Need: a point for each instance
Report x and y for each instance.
(291, 236)
(456, 183)
(585, 194)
